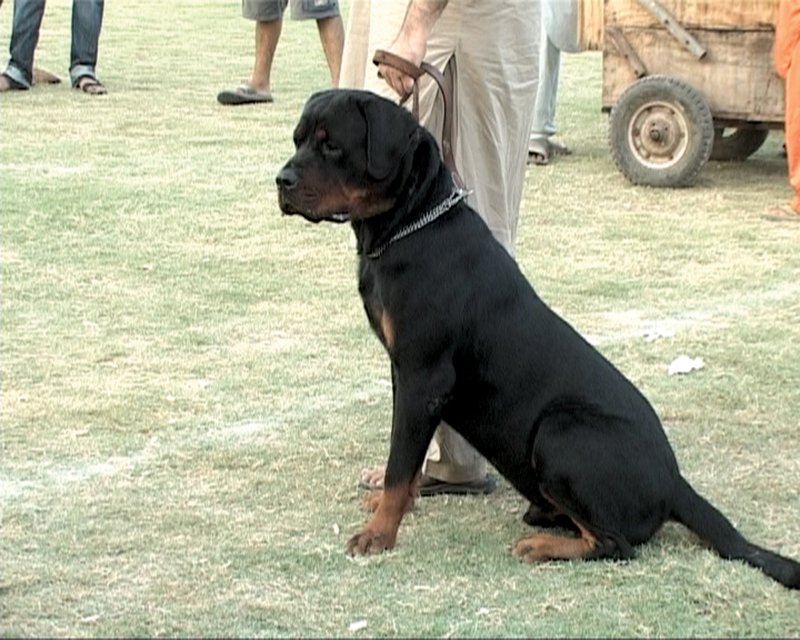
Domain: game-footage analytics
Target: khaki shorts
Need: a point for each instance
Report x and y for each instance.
(269, 10)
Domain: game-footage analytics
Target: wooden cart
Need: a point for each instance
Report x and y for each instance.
(685, 81)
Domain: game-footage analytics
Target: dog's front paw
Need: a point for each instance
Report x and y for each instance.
(369, 542)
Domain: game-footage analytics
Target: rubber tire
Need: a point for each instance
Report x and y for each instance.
(742, 143)
(684, 118)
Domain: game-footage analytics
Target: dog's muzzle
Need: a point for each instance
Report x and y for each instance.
(288, 181)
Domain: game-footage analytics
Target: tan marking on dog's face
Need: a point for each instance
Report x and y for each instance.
(322, 192)
(359, 202)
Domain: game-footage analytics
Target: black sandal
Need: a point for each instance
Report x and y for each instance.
(432, 487)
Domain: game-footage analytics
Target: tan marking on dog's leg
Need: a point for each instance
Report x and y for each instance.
(381, 531)
(372, 500)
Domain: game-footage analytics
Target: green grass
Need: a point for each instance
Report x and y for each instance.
(189, 386)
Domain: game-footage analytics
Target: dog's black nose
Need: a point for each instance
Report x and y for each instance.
(287, 178)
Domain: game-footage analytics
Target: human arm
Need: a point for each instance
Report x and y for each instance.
(411, 42)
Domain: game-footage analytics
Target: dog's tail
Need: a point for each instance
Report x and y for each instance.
(696, 513)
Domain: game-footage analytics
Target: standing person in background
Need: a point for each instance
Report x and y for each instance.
(490, 48)
(40, 76)
(787, 63)
(87, 20)
(268, 16)
(559, 33)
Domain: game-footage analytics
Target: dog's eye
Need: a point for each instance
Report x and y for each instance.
(300, 132)
(330, 149)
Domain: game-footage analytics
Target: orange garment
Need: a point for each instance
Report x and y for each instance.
(787, 63)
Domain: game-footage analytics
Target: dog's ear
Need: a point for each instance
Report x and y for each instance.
(390, 132)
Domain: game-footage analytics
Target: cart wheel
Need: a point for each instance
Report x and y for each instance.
(661, 132)
(739, 144)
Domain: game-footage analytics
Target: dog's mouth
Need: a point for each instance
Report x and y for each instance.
(290, 208)
(313, 216)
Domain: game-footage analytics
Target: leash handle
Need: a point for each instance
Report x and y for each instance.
(444, 81)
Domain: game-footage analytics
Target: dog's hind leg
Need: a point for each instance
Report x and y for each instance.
(542, 513)
(589, 545)
(543, 546)
(589, 468)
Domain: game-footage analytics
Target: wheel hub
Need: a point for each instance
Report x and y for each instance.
(658, 134)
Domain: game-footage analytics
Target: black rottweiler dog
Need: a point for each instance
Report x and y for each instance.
(472, 344)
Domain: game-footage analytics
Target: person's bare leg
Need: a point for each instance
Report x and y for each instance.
(373, 476)
(41, 76)
(331, 34)
(267, 36)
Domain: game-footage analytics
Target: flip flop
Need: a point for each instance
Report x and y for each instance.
(243, 95)
(432, 487)
(782, 214)
(538, 152)
(557, 149)
(91, 86)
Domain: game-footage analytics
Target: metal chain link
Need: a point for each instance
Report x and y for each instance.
(456, 196)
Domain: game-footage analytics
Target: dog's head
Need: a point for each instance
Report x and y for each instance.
(351, 154)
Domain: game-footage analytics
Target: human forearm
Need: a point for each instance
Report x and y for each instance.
(420, 18)
(412, 41)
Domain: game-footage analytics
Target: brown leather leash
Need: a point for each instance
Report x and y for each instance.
(445, 84)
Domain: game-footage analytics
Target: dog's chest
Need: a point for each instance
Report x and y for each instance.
(380, 318)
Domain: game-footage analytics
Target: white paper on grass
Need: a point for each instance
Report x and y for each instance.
(684, 364)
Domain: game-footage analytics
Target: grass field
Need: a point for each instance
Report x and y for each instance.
(190, 389)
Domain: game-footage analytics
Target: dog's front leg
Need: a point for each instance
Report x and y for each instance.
(413, 424)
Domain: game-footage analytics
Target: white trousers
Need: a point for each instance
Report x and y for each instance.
(495, 45)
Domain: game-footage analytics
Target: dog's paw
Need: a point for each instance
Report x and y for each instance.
(530, 549)
(542, 546)
(369, 542)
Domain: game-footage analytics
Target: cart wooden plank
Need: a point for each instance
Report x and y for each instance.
(595, 15)
(697, 14)
(736, 76)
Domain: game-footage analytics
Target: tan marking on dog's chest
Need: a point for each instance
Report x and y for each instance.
(387, 329)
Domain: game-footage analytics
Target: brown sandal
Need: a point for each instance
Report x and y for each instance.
(91, 86)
